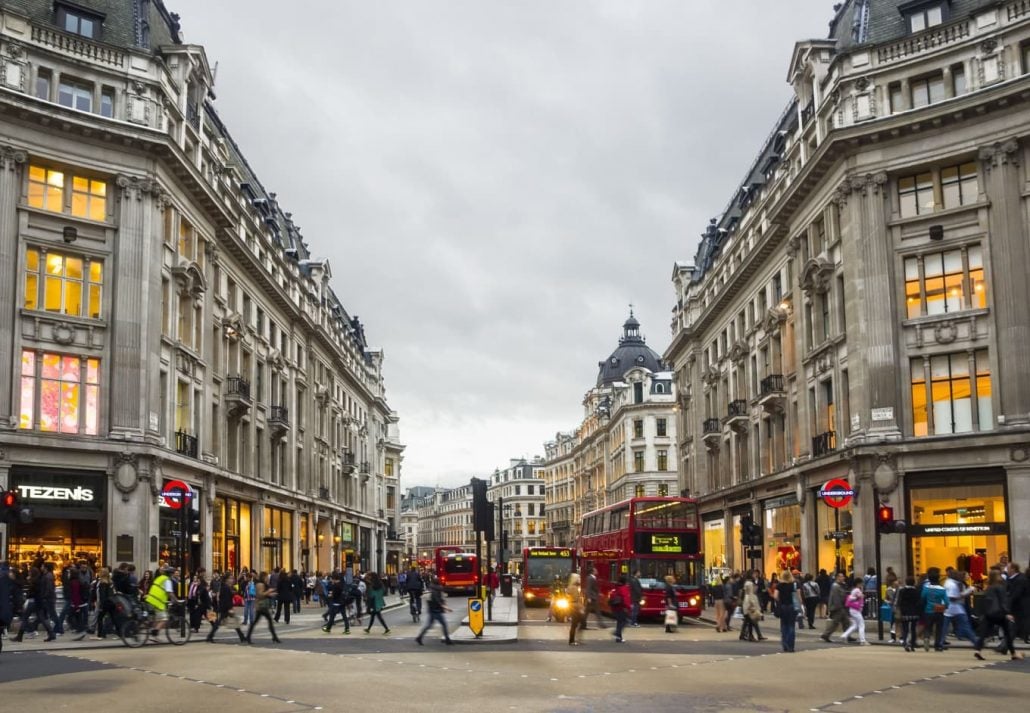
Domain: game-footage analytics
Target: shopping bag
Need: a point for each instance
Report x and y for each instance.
(672, 617)
(886, 612)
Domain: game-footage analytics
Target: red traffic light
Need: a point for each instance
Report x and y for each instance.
(10, 499)
(885, 514)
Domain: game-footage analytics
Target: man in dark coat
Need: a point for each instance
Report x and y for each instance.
(7, 590)
(225, 593)
(284, 597)
(1019, 601)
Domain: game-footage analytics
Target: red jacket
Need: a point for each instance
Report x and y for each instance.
(622, 591)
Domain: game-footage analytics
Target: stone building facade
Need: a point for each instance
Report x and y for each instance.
(162, 319)
(858, 311)
(626, 444)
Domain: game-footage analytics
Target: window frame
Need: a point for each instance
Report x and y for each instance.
(97, 192)
(971, 281)
(63, 12)
(923, 14)
(77, 88)
(979, 389)
(32, 388)
(91, 289)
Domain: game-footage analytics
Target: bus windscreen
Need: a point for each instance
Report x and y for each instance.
(542, 571)
(458, 565)
(665, 515)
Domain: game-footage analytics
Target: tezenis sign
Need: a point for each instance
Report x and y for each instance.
(42, 492)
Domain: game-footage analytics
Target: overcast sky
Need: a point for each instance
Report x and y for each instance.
(495, 181)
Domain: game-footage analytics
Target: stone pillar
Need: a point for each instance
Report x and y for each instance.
(11, 160)
(133, 294)
(1010, 290)
(870, 306)
(1018, 506)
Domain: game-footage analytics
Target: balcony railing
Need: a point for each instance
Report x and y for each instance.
(924, 42)
(737, 408)
(711, 425)
(186, 444)
(78, 47)
(771, 384)
(323, 493)
(193, 115)
(239, 387)
(807, 112)
(824, 443)
(279, 415)
(348, 459)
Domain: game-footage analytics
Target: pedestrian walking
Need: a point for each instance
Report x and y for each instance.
(935, 602)
(8, 587)
(337, 604)
(825, 581)
(907, 611)
(1019, 602)
(618, 602)
(855, 604)
(788, 600)
(997, 613)
(955, 615)
(836, 608)
(198, 599)
(263, 597)
(376, 600)
(436, 612)
(415, 587)
(810, 596)
(636, 595)
(751, 605)
(592, 596)
(225, 610)
(672, 605)
(577, 609)
(37, 605)
(105, 592)
(284, 596)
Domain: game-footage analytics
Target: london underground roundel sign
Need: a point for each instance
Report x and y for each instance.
(837, 492)
(173, 493)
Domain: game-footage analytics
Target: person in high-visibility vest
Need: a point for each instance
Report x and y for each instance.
(160, 594)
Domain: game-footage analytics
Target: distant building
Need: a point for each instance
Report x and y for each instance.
(624, 447)
(519, 491)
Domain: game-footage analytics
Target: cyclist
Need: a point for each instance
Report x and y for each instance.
(415, 586)
(160, 595)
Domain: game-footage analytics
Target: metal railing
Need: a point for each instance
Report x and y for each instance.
(737, 408)
(711, 425)
(193, 115)
(771, 384)
(348, 459)
(824, 443)
(186, 444)
(279, 414)
(366, 467)
(238, 386)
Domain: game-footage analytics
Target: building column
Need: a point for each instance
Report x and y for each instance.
(133, 295)
(1010, 290)
(871, 306)
(1018, 477)
(11, 161)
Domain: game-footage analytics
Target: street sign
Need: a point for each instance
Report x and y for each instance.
(175, 492)
(476, 616)
(838, 534)
(753, 553)
(837, 492)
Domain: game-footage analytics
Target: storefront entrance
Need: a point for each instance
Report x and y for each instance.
(230, 535)
(715, 546)
(781, 522)
(958, 521)
(68, 517)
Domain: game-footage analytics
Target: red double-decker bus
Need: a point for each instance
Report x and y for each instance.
(544, 568)
(656, 536)
(457, 570)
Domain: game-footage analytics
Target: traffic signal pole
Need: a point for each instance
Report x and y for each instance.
(879, 579)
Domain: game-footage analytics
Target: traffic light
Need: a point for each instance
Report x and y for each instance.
(482, 516)
(11, 509)
(192, 522)
(750, 531)
(886, 523)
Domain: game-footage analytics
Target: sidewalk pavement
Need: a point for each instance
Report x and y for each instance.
(503, 628)
(309, 619)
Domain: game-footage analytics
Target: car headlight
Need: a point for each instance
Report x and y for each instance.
(529, 595)
(693, 601)
(561, 603)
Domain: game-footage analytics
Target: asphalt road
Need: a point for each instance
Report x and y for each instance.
(694, 669)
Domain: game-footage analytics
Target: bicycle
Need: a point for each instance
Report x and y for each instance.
(415, 606)
(139, 626)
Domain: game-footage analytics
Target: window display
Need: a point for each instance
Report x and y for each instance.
(782, 536)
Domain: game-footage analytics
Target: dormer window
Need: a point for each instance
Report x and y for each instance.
(925, 16)
(78, 21)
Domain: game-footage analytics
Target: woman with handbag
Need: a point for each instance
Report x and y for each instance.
(226, 616)
(935, 603)
(577, 607)
(997, 613)
(752, 607)
(263, 603)
(672, 605)
(855, 603)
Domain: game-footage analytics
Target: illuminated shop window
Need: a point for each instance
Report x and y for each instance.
(60, 393)
(86, 197)
(65, 284)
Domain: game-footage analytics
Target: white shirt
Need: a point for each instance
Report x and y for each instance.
(956, 594)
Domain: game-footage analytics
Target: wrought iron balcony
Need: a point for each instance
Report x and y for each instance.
(737, 415)
(710, 426)
(193, 115)
(237, 395)
(771, 394)
(824, 443)
(323, 493)
(279, 419)
(186, 444)
(366, 467)
(348, 462)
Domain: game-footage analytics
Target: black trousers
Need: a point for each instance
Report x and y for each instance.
(217, 623)
(283, 607)
(372, 615)
(253, 622)
(340, 609)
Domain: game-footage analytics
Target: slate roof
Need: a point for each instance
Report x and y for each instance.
(632, 352)
(122, 26)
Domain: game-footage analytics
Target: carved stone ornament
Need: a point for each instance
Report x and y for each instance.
(945, 332)
(817, 275)
(126, 473)
(10, 157)
(862, 83)
(794, 245)
(233, 326)
(63, 334)
(189, 279)
(801, 491)
(739, 351)
(1020, 454)
(885, 475)
(989, 45)
(275, 358)
(135, 187)
(824, 361)
(139, 88)
(711, 376)
(1000, 154)
(774, 317)
(835, 96)
(322, 395)
(869, 182)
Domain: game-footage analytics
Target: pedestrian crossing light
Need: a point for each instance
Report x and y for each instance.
(11, 509)
(886, 523)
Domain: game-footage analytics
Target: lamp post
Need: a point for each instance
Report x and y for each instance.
(504, 511)
(336, 552)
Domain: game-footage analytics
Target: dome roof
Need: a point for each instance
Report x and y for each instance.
(631, 352)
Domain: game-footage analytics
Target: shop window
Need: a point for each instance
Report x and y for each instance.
(964, 526)
(949, 398)
(834, 553)
(87, 197)
(60, 393)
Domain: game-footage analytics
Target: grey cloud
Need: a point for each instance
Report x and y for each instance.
(494, 181)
